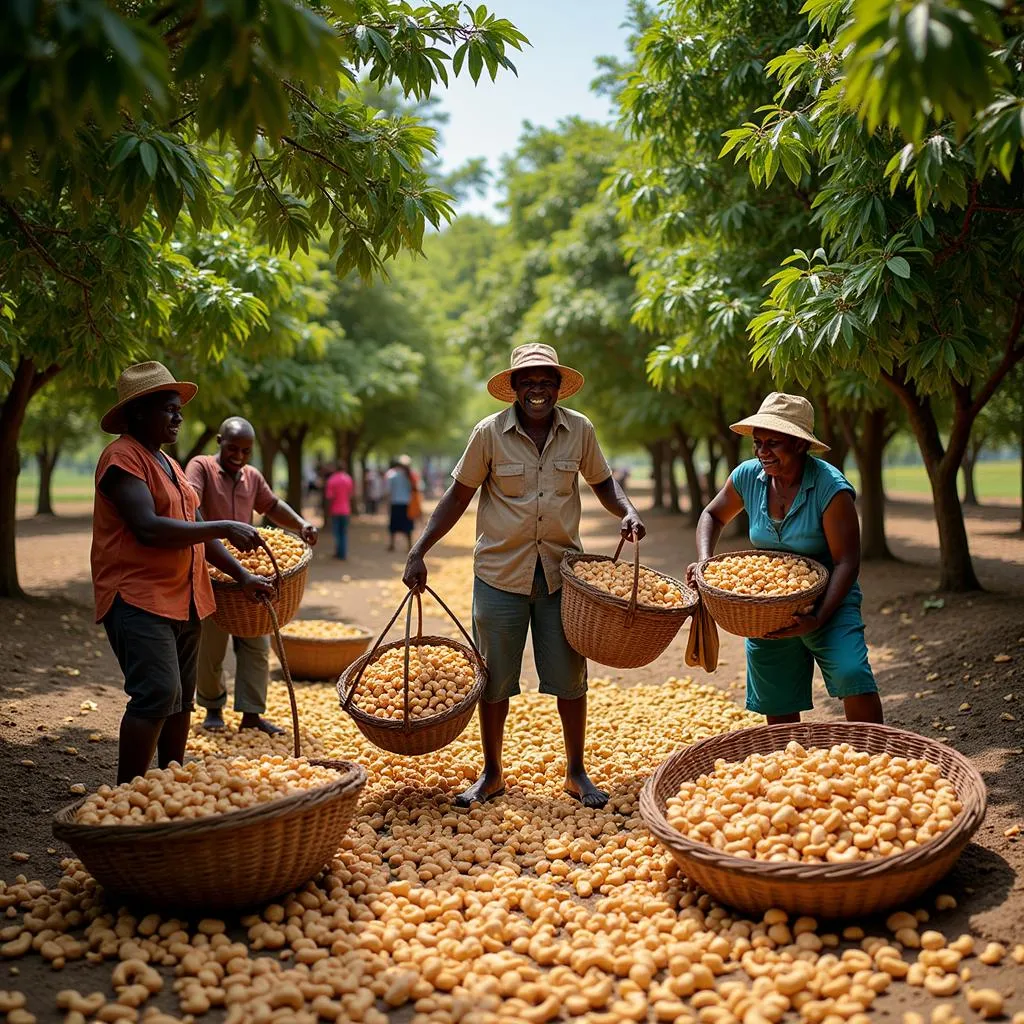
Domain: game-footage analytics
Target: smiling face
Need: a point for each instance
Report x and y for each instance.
(779, 454)
(536, 391)
(235, 440)
(155, 419)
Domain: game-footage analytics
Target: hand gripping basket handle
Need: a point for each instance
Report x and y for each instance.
(636, 572)
(346, 703)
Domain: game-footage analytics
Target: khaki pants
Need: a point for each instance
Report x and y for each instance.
(252, 670)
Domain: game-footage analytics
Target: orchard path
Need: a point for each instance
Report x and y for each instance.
(60, 696)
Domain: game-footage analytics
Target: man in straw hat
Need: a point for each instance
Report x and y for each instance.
(796, 502)
(229, 488)
(149, 565)
(527, 459)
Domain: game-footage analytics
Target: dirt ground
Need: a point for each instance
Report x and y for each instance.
(951, 667)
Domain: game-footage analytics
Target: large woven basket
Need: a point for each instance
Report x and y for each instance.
(321, 658)
(757, 616)
(413, 735)
(239, 615)
(224, 861)
(822, 890)
(612, 630)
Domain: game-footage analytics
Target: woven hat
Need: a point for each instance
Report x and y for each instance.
(136, 382)
(785, 414)
(525, 356)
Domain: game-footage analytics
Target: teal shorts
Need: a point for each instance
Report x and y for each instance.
(500, 622)
(779, 672)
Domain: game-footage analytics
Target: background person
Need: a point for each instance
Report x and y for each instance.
(150, 577)
(399, 485)
(798, 503)
(527, 460)
(229, 488)
(338, 492)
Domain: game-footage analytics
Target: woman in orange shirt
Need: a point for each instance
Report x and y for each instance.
(149, 566)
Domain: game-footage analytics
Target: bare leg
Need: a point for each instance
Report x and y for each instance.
(864, 707)
(137, 742)
(574, 731)
(782, 719)
(173, 738)
(492, 734)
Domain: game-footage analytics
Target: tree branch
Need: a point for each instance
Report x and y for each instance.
(34, 242)
(266, 183)
(314, 153)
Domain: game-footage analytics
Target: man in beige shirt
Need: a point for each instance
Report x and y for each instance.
(527, 459)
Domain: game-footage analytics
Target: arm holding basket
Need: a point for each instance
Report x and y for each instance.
(450, 509)
(611, 495)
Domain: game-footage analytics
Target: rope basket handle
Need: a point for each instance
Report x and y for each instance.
(368, 659)
(296, 743)
(631, 611)
(278, 578)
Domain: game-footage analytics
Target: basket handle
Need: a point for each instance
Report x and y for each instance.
(278, 578)
(631, 611)
(296, 743)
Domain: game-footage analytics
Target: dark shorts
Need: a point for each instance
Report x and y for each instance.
(500, 624)
(400, 521)
(158, 657)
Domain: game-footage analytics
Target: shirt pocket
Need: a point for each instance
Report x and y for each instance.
(565, 475)
(511, 477)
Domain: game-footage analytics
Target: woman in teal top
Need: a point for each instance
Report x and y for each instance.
(796, 502)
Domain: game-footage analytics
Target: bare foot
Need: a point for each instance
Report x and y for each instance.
(250, 720)
(214, 720)
(579, 787)
(487, 787)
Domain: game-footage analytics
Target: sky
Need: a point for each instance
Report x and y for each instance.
(553, 81)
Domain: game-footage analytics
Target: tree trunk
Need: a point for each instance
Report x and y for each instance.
(967, 467)
(714, 457)
(1022, 474)
(270, 447)
(657, 474)
(942, 462)
(829, 431)
(293, 439)
(868, 450)
(670, 479)
(687, 446)
(47, 461)
(27, 381)
(207, 435)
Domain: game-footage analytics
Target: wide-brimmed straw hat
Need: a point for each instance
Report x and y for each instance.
(785, 414)
(138, 381)
(525, 356)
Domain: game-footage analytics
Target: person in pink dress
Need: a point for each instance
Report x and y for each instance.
(338, 495)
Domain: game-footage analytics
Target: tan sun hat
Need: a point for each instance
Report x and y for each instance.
(136, 382)
(785, 414)
(525, 356)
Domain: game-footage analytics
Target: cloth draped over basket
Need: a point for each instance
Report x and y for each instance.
(702, 642)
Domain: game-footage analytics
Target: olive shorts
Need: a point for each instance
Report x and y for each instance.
(779, 672)
(158, 657)
(500, 622)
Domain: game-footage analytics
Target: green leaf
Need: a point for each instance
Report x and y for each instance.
(899, 266)
(149, 158)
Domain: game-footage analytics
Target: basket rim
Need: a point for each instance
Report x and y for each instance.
(66, 828)
(233, 586)
(324, 641)
(569, 578)
(418, 724)
(959, 834)
(778, 600)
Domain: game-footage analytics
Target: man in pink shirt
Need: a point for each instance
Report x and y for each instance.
(229, 488)
(338, 494)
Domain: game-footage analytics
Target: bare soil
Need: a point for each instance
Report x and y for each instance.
(950, 666)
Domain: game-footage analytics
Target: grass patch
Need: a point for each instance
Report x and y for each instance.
(994, 479)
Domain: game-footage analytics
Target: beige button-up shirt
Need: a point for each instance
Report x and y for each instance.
(530, 501)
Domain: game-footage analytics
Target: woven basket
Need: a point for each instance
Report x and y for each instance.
(224, 861)
(757, 616)
(239, 615)
(321, 658)
(413, 735)
(612, 630)
(821, 890)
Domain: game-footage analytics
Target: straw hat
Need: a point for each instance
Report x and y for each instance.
(525, 356)
(138, 381)
(785, 414)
